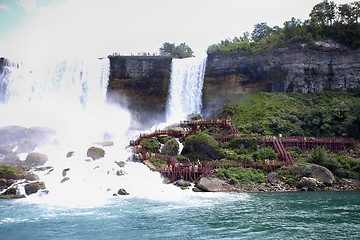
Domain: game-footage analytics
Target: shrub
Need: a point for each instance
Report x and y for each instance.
(157, 162)
(6, 168)
(245, 143)
(171, 148)
(322, 157)
(265, 153)
(150, 144)
(181, 158)
(201, 146)
(242, 175)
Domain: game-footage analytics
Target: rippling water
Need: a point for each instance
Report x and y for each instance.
(303, 215)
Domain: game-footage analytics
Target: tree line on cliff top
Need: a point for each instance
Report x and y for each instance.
(327, 21)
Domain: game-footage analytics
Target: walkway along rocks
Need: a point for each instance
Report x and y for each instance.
(191, 171)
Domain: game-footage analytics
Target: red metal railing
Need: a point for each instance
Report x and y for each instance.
(192, 171)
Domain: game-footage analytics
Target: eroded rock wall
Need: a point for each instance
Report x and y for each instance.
(141, 83)
(302, 68)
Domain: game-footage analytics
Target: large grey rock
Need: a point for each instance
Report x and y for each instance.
(26, 146)
(122, 192)
(212, 184)
(5, 150)
(182, 183)
(95, 153)
(120, 164)
(32, 177)
(309, 184)
(35, 159)
(322, 174)
(34, 187)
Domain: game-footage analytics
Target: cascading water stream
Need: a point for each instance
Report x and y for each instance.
(186, 83)
(69, 96)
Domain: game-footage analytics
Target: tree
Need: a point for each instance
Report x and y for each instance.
(261, 31)
(180, 51)
(356, 9)
(347, 13)
(292, 29)
(167, 48)
(330, 12)
(318, 12)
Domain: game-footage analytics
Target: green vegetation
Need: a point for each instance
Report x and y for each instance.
(171, 147)
(241, 175)
(292, 174)
(6, 168)
(179, 51)
(157, 162)
(151, 145)
(201, 146)
(295, 114)
(327, 21)
(201, 137)
(334, 161)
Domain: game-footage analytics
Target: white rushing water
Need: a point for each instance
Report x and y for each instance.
(69, 96)
(186, 83)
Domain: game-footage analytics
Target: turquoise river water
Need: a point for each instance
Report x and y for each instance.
(301, 215)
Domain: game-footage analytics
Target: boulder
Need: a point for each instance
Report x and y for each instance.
(11, 157)
(122, 192)
(120, 173)
(11, 191)
(310, 184)
(26, 146)
(65, 179)
(64, 172)
(34, 187)
(35, 159)
(322, 174)
(32, 177)
(121, 164)
(5, 150)
(166, 181)
(213, 184)
(70, 154)
(95, 153)
(182, 183)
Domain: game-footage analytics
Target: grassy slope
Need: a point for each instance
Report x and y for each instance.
(262, 112)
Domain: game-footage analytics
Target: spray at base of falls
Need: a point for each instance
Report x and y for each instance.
(186, 83)
(69, 96)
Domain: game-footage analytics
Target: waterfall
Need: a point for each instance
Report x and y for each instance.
(79, 81)
(68, 96)
(186, 82)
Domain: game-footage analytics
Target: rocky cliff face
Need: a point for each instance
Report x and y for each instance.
(141, 84)
(302, 68)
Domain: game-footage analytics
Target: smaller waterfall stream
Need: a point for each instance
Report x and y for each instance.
(187, 77)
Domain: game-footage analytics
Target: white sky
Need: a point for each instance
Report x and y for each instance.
(40, 29)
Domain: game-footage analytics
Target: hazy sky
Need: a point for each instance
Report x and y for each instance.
(43, 28)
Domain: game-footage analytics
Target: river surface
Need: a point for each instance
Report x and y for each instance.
(301, 215)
